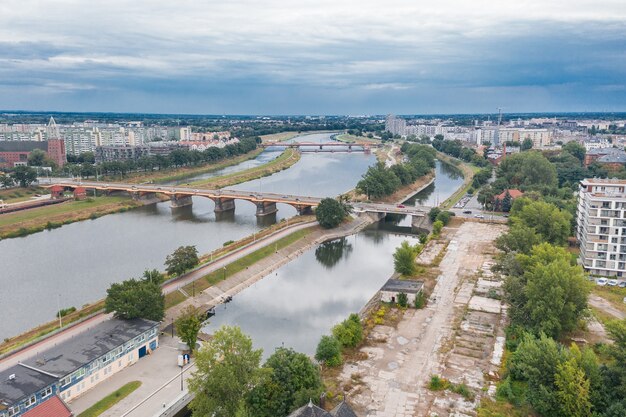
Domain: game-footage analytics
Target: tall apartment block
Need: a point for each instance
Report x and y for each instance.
(601, 231)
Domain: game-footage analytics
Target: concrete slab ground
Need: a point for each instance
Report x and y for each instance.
(397, 369)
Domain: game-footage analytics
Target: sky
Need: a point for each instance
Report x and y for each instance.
(313, 57)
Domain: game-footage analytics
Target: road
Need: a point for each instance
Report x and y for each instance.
(604, 305)
(199, 272)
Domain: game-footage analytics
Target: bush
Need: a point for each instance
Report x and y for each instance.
(420, 301)
(65, 311)
(329, 351)
(228, 242)
(349, 333)
(437, 226)
(433, 213)
(437, 383)
(330, 213)
(403, 300)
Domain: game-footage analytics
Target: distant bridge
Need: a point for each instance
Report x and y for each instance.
(224, 198)
(320, 146)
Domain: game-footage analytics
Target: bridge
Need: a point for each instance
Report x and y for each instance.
(320, 146)
(224, 199)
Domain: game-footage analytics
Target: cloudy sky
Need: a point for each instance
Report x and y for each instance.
(313, 56)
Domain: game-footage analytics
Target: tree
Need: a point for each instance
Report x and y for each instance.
(290, 380)
(575, 149)
(181, 260)
(328, 351)
(24, 176)
(526, 144)
(551, 295)
(403, 300)
(527, 170)
(37, 158)
(153, 276)
(505, 205)
(520, 238)
(227, 369)
(188, 325)
(433, 213)
(330, 213)
(404, 259)
(437, 227)
(572, 389)
(552, 224)
(132, 299)
(349, 332)
(6, 181)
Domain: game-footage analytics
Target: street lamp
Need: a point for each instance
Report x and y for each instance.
(224, 276)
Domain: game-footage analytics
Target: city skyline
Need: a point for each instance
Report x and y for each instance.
(314, 58)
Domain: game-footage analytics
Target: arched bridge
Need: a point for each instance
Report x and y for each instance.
(182, 196)
(320, 146)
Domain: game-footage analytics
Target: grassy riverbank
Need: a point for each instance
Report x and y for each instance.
(17, 195)
(283, 161)
(26, 222)
(355, 139)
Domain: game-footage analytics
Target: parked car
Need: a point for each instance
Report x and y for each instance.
(401, 206)
(479, 216)
(467, 212)
(622, 284)
(602, 281)
(612, 283)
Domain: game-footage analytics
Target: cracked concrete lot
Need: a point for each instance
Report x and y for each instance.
(445, 338)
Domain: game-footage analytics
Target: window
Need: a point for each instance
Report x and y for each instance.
(65, 381)
(31, 401)
(13, 411)
(46, 392)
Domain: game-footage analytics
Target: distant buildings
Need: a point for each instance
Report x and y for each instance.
(601, 218)
(66, 371)
(613, 159)
(395, 125)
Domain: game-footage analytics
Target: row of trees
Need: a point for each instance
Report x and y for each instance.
(23, 176)
(347, 334)
(380, 181)
(456, 149)
(547, 295)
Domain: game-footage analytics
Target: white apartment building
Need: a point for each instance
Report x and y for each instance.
(395, 125)
(601, 216)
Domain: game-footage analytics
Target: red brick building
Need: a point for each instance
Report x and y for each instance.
(13, 153)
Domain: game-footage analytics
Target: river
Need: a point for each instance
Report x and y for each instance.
(75, 264)
(298, 303)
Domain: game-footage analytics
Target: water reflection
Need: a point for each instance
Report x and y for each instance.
(303, 299)
(329, 253)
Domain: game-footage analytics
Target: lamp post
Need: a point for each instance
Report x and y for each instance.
(224, 276)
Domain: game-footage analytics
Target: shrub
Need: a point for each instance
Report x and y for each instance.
(420, 300)
(403, 300)
(65, 311)
(349, 333)
(437, 383)
(228, 242)
(437, 226)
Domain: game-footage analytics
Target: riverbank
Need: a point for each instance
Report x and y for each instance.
(285, 160)
(468, 172)
(26, 222)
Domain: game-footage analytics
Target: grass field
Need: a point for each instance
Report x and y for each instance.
(17, 195)
(110, 400)
(615, 295)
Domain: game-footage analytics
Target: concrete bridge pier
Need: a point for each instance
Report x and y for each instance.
(224, 204)
(178, 200)
(421, 223)
(144, 197)
(264, 208)
(303, 210)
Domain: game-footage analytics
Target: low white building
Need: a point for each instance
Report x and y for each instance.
(393, 287)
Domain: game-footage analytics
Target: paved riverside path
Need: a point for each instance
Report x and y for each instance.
(78, 328)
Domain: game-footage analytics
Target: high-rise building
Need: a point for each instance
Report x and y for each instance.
(601, 231)
(56, 144)
(395, 125)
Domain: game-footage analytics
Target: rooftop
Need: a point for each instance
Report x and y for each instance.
(23, 382)
(22, 145)
(53, 407)
(398, 285)
(87, 346)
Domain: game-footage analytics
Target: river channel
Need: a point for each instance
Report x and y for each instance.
(75, 264)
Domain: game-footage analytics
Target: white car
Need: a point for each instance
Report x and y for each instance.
(602, 281)
(612, 283)
(479, 216)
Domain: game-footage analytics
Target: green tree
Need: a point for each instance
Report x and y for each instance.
(132, 299)
(181, 260)
(572, 390)
(227, 369)
(505, 205)
(526, 144)
(290, 379)
(433, 213)
(328, 351)
(188, 325)
(24, 176)
(404, 259)
(153, 275)
(437, 227)
(330, 213)
(575, 149)
(36, 158)
(444, 217)
(403, 300)
(527, 170)
(520, 238)
(6, 181)
(349, 332)
(547, 220)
